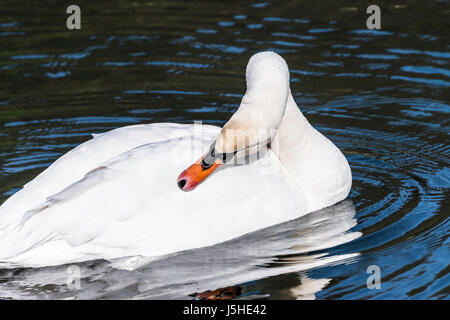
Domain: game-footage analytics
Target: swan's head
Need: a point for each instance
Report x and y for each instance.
(254, 124)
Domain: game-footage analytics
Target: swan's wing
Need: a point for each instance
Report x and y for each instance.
(75, 164)
(131, 205)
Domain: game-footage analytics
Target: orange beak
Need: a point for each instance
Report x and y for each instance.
(195, 174)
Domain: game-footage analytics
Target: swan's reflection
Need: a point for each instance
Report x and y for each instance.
(290, 244)
(281, 253)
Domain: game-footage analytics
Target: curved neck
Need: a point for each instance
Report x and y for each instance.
(293, 129)
(317, 167)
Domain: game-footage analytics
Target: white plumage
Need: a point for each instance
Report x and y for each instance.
(116, 195)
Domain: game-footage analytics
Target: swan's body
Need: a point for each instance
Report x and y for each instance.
(116, 195)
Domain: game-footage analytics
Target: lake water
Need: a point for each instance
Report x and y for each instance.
(381, 96)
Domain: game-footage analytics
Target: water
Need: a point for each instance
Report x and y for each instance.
(381, 96)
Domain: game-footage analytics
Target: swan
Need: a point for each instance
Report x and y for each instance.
(150, 190)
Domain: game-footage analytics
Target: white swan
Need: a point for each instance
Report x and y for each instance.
(117, 195)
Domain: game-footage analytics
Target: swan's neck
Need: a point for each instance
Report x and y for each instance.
(293, 131)
(317, 167)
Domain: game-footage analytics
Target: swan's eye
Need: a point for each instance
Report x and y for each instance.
(209, 159)
(206, 165)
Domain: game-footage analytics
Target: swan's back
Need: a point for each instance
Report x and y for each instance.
(116, 195)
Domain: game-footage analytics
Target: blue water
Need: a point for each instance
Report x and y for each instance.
(382, 96)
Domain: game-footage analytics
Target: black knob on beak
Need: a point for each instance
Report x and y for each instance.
(181, 184)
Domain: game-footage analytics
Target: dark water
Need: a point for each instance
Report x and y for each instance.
(381, 96)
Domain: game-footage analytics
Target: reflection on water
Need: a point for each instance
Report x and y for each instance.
(287, 249)
(381, 96)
